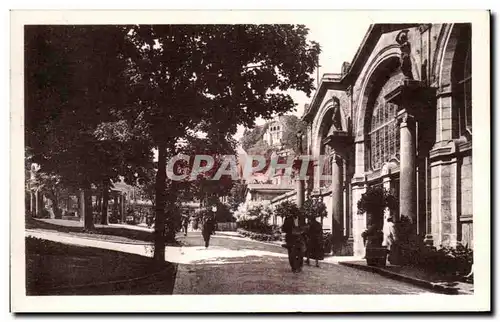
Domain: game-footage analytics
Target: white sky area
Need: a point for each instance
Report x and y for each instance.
(339, 43)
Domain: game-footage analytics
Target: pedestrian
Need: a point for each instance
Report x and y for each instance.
(185, 223)
(388, 231)
(315, 241)
(294, 241)
(207, 230)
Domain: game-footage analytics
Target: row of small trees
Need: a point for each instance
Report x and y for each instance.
(257, 219)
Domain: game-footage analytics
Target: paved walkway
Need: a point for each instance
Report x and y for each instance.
(232, 266)
(270, 273)
(181, 255)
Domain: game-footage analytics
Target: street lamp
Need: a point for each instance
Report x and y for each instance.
(299, 182)
(300, 135)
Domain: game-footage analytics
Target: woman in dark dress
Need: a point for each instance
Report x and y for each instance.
(315, 241)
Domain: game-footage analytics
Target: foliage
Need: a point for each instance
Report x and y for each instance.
(450, 261)
(274, 236)
(115, 217)
(206, 187)
(373, 233)
(146, 185)
(314, 208)
(287, 208)
(327, 242)
(74, 128)
(256, 219)
(373, 202)
(253, 137)
(292, 126)
(237, 195)
(224, 214)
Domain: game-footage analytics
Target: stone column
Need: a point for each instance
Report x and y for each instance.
(359, 219)
(408, 182)
(32, 204)
(115, 203)
(122, 202)
(37, 204)
(82, 206)
(337, 197)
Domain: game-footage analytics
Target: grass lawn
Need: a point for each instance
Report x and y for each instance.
(59, 269)
(107, 233)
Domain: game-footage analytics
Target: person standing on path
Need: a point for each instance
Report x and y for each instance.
(315, 241)
(388, 231)
(207, 230)
(185, 223)
(295, 242)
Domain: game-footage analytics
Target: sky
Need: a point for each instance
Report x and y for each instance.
(339, 43)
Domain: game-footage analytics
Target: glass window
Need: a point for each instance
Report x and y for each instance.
(467, 83)
(384, 133)
(327, 168)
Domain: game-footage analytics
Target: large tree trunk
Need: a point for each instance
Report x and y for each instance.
(88, 220)
(105, 200)
(161, 175)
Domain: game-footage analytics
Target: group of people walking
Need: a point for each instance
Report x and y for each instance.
(303, 240)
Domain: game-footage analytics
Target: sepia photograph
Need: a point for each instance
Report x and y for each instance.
(324, 154)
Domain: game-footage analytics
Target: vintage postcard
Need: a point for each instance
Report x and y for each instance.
(250, 161)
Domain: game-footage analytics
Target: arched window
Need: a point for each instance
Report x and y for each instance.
(462, 83)
(327, 167)
(467, 88)
(384, 130)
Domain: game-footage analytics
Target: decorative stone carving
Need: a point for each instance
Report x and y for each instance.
(336, 121)
(405, 119)
(345, 68)
(405, 59)
(349, 91)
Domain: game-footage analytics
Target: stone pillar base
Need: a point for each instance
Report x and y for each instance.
(343, 248)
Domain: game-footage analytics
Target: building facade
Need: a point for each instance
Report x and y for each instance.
(398, 116)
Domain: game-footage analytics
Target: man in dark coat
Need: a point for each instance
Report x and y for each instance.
(295, 242)
(207, 230)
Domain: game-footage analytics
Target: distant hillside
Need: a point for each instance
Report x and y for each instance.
(253, 139)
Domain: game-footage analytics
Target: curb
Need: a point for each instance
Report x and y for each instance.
(411, 280)
(140, 243)
(249, 239)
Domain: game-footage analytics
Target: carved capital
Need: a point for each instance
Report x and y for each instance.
(405, 119)
(337, 158)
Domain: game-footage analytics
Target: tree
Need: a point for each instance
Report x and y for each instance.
(75, 88)
(287, 208)
(211, 78)
(292, 126)
(252, 137)
(206, 187)
(315, 208)
(237, 195)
